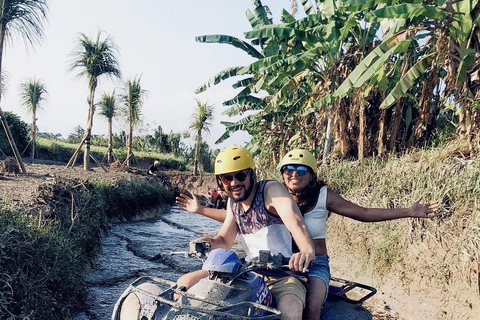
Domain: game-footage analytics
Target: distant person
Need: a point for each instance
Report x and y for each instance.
(153, 169)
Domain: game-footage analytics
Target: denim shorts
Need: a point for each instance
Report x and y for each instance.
(320, 268)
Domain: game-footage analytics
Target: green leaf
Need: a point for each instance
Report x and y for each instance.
(222, 75)
(407, 11)
(407, 80)
(237, 43)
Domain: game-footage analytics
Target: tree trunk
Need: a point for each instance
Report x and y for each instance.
(381, 133)
(328, 139)
(88, 131)
(34, 135)
(197, 153)
(362, 128)
(394, 126)
(130, 144)
(110, 142)
(11, 141)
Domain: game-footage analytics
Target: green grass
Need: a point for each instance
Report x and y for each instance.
(62, 152)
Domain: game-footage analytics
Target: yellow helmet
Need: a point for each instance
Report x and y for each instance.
(233, 158)
(156, 163)
(300, 156)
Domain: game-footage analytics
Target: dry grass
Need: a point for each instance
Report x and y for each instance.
(444, 249)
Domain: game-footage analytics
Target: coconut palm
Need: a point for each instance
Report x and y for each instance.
(25, 17)
(201, 122)
(32, 94)
(132, 99)
(94, 58)
(108, 109)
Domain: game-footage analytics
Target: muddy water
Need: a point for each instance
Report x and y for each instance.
(135, 249)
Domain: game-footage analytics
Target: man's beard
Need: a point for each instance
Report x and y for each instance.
(245, 195)
(248, 191)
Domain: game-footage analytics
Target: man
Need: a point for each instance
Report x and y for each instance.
(265, 217)
(153, 169)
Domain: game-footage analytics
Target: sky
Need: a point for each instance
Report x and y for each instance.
(156, 40)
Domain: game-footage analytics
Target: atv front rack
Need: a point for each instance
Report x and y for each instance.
(179, 308)
(340, 288)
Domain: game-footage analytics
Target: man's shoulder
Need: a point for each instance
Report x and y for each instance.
(271, 185)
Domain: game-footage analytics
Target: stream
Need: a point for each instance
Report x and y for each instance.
(134, 249)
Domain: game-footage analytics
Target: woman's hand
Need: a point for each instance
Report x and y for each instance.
(423, 210)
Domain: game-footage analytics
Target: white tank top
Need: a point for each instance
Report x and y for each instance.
(316, 220)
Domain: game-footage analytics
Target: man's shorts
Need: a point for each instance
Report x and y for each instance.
(280, 286)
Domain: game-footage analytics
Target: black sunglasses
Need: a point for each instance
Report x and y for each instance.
(289, 168)
(239, 176)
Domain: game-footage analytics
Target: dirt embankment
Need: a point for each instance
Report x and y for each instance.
(21, 190)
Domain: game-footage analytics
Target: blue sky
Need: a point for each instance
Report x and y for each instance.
(156, 40)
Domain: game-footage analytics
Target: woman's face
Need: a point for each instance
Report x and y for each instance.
(296, 177)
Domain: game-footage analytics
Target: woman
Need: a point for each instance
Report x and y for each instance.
(316, 201)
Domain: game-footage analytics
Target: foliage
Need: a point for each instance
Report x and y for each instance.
(94, 58)
(201, 122)
(357, 79)
(47, 255)
(132, 99)
(19, 132)
(61, 151)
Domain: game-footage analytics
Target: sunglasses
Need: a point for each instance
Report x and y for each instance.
(289, 168)
(239, 176)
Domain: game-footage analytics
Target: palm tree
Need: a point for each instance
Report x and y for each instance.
(32, 94)
(108, 109)
(201, 121)
(26, 17)
(133, 99)
(94, 58)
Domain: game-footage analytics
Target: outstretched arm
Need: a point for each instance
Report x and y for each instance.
(191, 204)
(339, 205)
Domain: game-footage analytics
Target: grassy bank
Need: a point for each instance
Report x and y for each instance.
(61, 151)
(46, 254)
(437, 258)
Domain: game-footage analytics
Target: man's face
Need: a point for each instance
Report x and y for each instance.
(238, 184)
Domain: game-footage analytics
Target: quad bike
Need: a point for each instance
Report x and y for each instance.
(232, 291)
(216, 199)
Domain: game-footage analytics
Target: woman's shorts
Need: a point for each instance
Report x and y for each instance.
(320, 268)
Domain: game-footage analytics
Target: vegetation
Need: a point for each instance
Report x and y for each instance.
(18, 129)
(94, 58)
(25, 17)
(32, 94)
(356, 80)
(132, 99)
(61, 151)
(108, 109)
(47, 255)
(201, 122)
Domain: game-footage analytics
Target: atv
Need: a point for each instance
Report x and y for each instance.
(233, 290)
